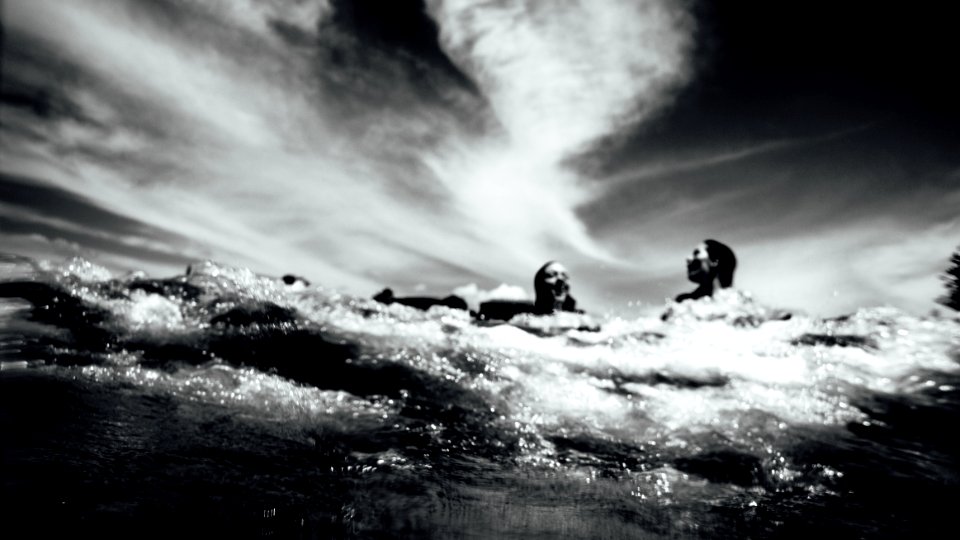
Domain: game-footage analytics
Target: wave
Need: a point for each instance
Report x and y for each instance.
(715, 389)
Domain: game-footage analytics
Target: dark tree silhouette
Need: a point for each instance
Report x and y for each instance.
(952, 279)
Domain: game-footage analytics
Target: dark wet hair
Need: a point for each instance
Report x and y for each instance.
(541, 274)
(721, 254)
(290, 279)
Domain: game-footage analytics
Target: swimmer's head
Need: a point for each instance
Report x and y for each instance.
(551, 285)
(290, 279)
(712, 260)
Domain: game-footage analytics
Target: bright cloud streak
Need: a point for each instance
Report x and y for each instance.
(219, 130)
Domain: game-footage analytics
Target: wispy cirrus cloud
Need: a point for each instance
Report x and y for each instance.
(429, 144)
(273, 133)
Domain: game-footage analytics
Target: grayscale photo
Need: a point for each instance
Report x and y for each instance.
(479, 269)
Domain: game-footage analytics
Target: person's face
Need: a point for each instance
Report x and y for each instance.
(557, 280)
(699, 267)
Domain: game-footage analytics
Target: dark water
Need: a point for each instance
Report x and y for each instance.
(224, 404)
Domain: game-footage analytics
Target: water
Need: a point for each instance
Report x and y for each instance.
(226, 404)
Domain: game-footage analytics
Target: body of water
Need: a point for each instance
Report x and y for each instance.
(226, 404)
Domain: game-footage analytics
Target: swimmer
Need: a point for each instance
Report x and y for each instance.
(711, 266)
(290, 279)
(421, 302)
(551, 285)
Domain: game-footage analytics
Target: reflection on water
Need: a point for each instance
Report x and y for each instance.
(226, 403)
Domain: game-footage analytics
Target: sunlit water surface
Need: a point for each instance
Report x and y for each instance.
(228, 404)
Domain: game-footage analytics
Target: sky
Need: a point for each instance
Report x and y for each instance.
(456, 145)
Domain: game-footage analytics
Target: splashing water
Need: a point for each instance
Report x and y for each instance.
(251, 405)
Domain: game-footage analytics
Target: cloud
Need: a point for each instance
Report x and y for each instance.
(261, 15)
(562, 74)
(244, 127)
(474, 295)
(298, 136)
(700, 160)
(863, 264)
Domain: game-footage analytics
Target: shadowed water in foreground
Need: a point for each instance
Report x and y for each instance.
(228, 404)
